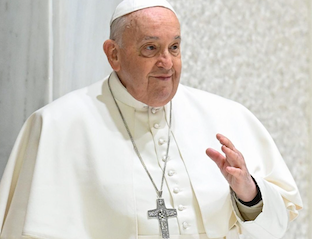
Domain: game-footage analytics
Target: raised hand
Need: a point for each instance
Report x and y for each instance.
(233, 168)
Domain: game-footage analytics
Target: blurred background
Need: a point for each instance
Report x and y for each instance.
(256, 52)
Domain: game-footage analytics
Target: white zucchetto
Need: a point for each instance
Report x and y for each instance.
(128, 6)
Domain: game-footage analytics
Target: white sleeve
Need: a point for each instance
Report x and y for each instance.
(272, 222)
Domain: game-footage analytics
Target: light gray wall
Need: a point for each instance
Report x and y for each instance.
(308, 163)
(255, 52)
(79, 30)
(23, 66)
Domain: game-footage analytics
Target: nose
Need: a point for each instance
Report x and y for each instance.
(165, 60)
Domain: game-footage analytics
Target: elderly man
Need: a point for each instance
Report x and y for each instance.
(125, 157)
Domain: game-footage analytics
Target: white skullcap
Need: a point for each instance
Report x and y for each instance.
(128, 6)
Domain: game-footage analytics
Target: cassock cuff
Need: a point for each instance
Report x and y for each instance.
(248, 211)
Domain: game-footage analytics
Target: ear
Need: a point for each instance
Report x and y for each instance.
(111, 50)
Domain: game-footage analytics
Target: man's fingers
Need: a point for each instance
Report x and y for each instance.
(234, 159)
(225, 141)
(218, 158)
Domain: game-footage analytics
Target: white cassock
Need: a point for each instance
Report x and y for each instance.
(73, 173)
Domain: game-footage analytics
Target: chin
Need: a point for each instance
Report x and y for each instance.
(161, 101)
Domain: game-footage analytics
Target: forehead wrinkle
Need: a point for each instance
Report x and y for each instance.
(148, 13)
(147, 38)
(136, 24)
(151, 38)
(157, 38)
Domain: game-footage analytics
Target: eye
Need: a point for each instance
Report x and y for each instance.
(175, 49)
(149, 50)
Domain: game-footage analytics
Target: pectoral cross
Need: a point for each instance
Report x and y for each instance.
(162, 213)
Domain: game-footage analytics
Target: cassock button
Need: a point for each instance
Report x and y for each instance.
(181, 207)
(171, 173)
(164, 158)
(176, 190)
(156, 126)
(161, 141)
(185, 225)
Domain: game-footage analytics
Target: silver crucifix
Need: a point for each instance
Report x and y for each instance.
(162, 213)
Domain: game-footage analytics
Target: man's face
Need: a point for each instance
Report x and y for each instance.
(150, 58)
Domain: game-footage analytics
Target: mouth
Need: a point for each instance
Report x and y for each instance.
(163, 77)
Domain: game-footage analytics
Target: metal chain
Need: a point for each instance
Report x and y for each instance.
(159, 192)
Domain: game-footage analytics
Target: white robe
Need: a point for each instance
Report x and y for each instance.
(70, 174)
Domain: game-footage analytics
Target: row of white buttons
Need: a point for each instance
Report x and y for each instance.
(154, 111)
(176, 190)
(180, 207)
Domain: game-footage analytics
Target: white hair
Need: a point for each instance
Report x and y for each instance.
(117, 28)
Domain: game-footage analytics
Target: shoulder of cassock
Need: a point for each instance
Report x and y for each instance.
(197, 117)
